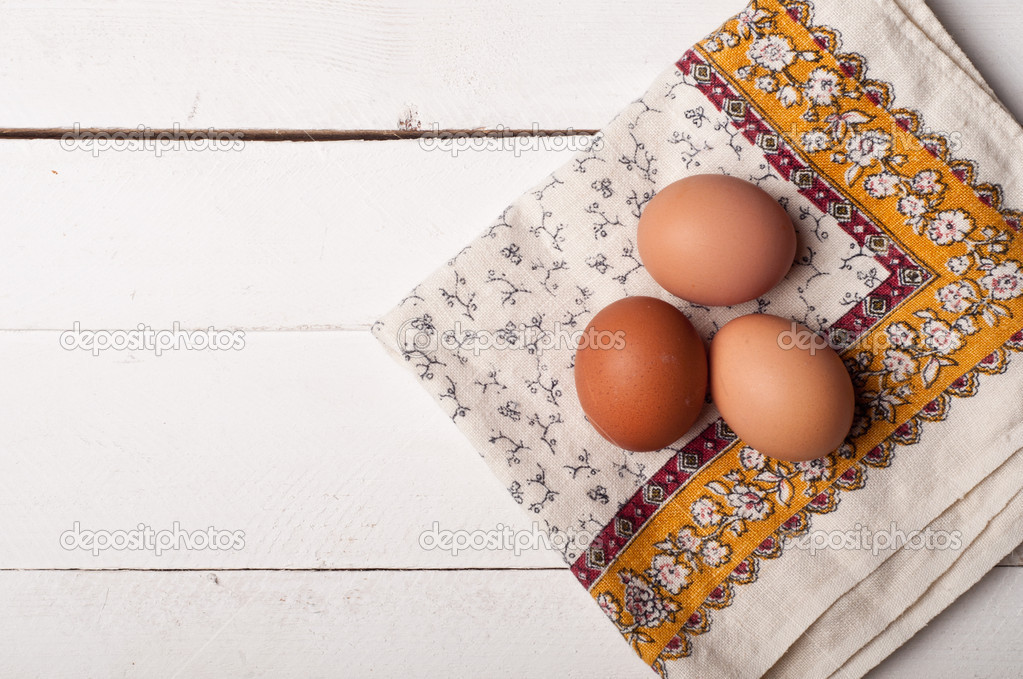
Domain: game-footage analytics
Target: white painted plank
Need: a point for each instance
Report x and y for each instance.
(394, 624)
(309, 625)
(119, 443)
(314, 444)
(354, 65)
(338, 65)
(274, 235)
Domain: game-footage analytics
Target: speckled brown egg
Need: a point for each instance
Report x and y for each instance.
(780, 387)
(716, 240)
(641, 373)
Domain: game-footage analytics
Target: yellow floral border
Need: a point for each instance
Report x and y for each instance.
(734, 503)
(855, 478)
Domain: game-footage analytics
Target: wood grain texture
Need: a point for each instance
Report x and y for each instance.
(355, 65)
(282, 440)
(309, 625)
(338, 65)
(268, 236)
(313, 443)
(316, 445)
(507, 624)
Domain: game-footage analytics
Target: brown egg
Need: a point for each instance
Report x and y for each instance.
(716, 240)
(641, 373)
(780, 387)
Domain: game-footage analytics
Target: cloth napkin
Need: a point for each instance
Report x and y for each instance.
(900, 170)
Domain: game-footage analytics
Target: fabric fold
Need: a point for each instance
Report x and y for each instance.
(900, 170)
(906, 580)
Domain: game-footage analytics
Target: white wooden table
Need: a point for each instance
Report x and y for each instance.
(330, 459)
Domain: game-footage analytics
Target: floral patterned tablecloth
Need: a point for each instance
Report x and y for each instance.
(899, 169)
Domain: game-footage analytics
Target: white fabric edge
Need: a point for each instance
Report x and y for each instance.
(904, 579)
(1002, 535)
(925, 19)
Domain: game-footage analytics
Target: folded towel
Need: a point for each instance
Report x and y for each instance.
(899, 168)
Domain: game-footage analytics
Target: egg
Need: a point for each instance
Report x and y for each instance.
(715, 240)
(780, 387)
(641, 373)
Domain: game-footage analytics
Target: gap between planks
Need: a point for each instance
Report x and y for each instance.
(425, 569)
(470, 569)
(270, 135)
(344, 327)
(1010, 561)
